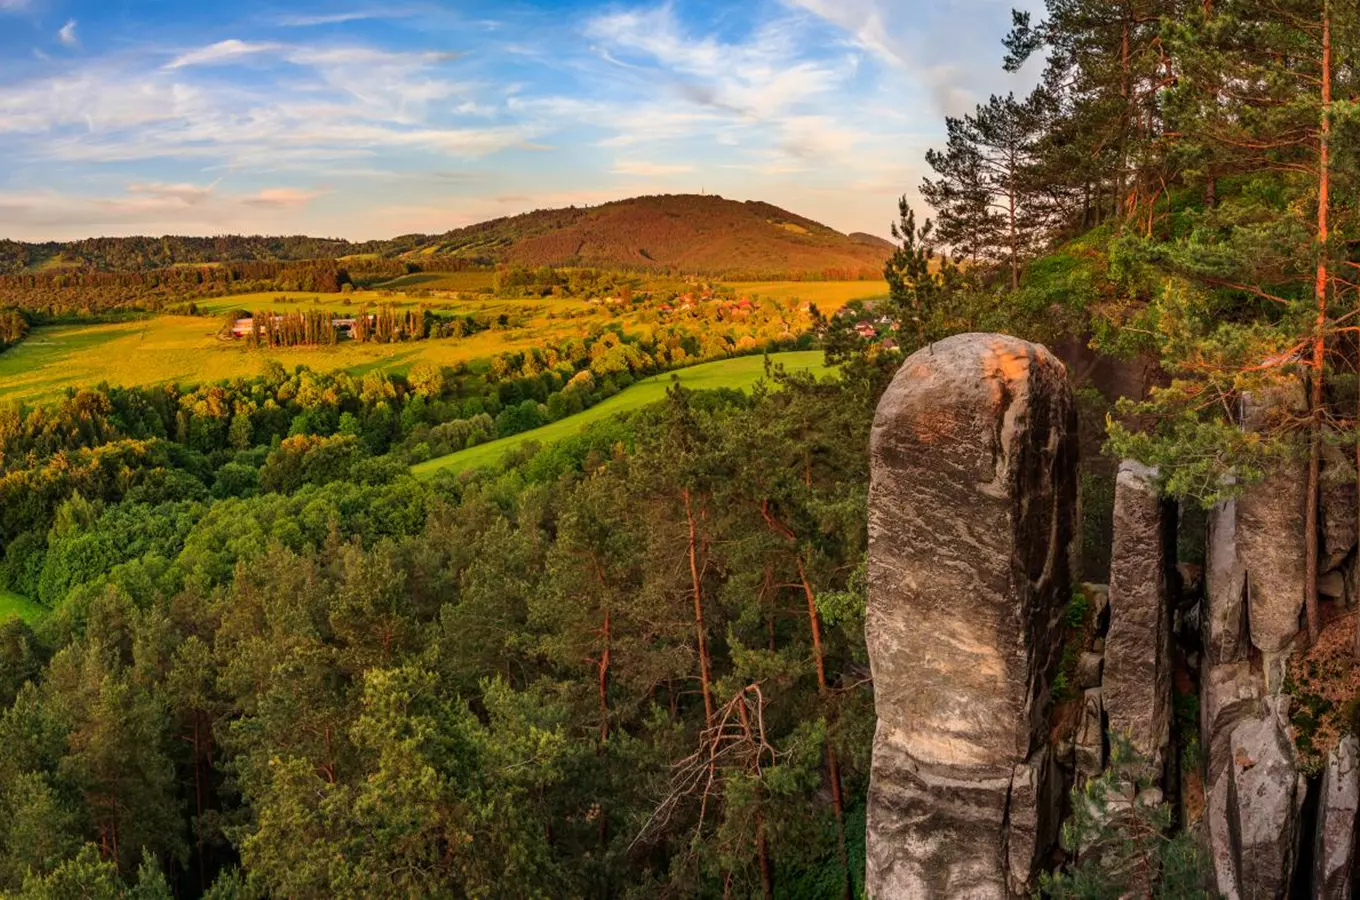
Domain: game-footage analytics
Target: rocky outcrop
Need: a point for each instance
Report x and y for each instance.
(1334, 848)
(1253, 814)
(1266, 794)
(1338, 507)
(1225, 588)
(1270, 530)
(1253, 595)
(971, 515)
(1089, 748)
(1137, 680)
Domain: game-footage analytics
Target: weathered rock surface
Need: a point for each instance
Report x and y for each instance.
(1332, 584)
(971, 509)
(1225, 588)
(1270, 529)
(1265, 798)
(1089, 667)
(1230, 693)
(1090, 742)
(1338, 506)
(1334, 851)
(1137, 680)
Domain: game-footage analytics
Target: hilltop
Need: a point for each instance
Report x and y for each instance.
(679, 233)
(682, 232)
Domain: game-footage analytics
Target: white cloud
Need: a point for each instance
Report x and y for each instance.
(935, 49)
(13, 5)
(307, 21)
(760, 78)
(282, 198)
(67, 34)
(153, 208)
(220, 52)
(189, 194)
(650, 169)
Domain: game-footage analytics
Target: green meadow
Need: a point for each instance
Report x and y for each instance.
(740, 373)
(187, 349)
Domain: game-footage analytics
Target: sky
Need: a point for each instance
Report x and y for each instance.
(363, 120)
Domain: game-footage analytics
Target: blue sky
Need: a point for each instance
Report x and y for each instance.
(363, 120)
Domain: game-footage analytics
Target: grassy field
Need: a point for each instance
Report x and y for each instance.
(15, 605)
(351, 303)
(186, 349)
(740, 373)
(828, 295)
(442, 281)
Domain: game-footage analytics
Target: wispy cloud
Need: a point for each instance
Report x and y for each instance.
(67, 34)
(358, 15)
(957, 65)
(189, 194)
(759, 77)
(282, 198)
(221, 52)
(155, 208)
(13, 5)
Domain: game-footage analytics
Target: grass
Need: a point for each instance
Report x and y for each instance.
(739, 373)
(185, 349)
(12, 604)
(828, 295)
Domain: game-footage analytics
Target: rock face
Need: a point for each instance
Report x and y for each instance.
(1334, 851)
(1137, 679)
(1253, 595)
(1338, 507)
(1225, 588)
(1090, 743)
(971, 515)
(1266, 794)
(1270, 531)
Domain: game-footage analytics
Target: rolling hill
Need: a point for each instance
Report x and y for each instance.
(681, 233)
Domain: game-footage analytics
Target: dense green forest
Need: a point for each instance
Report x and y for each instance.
(632, 664)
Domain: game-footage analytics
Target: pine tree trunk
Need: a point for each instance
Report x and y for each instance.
(603, 678)
(1319, 337)
(701, 632)
(1015, 240)
(1355, 601)
(766, 864)
(833, 768)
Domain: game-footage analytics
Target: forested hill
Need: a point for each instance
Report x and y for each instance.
(681, 233)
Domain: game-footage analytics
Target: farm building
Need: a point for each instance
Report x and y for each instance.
(243, 327)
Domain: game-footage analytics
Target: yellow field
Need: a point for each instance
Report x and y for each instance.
(828, 295)
(186, 350)
(351, 303)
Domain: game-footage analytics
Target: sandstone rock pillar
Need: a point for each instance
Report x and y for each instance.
(1334, 851)
(971, 515)
(1254, 590)
(1137, 680)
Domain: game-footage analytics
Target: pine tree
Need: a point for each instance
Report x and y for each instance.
(986, 198)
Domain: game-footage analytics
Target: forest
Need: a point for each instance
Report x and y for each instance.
(632, 663)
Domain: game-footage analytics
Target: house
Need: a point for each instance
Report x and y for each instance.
(345, 326)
